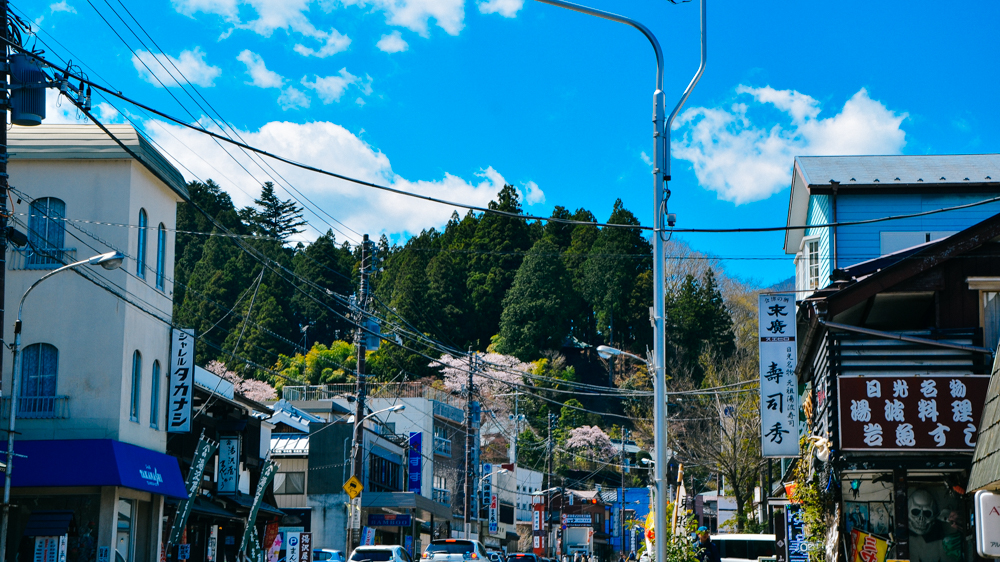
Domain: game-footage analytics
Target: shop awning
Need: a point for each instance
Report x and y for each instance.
(206, 507)
(94, 462)
(246, 501)
(410, 500)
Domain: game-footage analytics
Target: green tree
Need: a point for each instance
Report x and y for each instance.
(697, 320)
(613, 278)
(322, 364)
(329, 266)
(534, 314)
(274, 217)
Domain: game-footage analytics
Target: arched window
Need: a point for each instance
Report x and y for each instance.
(39, 373)
(161, 255)
(136, 386)
(46, 233)
(140, 253)
(154, 398)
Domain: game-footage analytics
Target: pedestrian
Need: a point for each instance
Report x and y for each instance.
(708, 551)
(621, 557)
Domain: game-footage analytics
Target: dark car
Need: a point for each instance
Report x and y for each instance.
(523, 557)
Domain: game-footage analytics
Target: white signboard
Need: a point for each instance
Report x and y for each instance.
(988, 524)
(494, 521)
(291, 546)
(779, 398)
(229, 465)
(356, 513)
(181, 381)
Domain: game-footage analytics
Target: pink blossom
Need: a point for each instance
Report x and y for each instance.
(591, 439)
(256, 390)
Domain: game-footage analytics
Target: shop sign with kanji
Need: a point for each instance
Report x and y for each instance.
(911, 413)
(779, 399)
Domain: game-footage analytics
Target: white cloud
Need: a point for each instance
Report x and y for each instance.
(506, 8)
(293, 98)
(645, 158)
(159, 68)
(331, 147)
(745, 162)
(60, 111)
(331, 88)
(62, 7)
(334, 42)
(292, 14)
(392, 43)
(532, 194)
(259, 74)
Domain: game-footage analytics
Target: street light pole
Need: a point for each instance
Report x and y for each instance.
(661, 175)
(110, 260)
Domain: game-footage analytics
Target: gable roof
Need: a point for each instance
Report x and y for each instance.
(89, 142)
(946, 173)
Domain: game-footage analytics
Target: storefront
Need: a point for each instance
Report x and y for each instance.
(103, 496)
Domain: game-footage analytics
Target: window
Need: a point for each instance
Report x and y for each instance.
(989, 308)
(136, 386)
(812, 259)
(46, 233)
(161, 255)
(290, 483)
(383, 475)
(154, 398)
(39, 372)
(140, 253)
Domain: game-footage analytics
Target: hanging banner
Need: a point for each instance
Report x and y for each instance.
(202, 454)
(229, 465)
(911, 413)
(487, 483)
(868, 548)
(779, 399)
(493, 516)
(181, 381)
(266, 475)
(414, 465)
(256, 553)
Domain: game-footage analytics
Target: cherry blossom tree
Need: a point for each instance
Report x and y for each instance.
(497, 374)
(256, 390)
(590, 441)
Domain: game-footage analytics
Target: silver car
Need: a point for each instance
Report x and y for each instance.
(455, 550)
(382, 553)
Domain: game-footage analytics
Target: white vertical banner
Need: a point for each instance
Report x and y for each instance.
(181, 381)
(779, 399)
(228, 476)
(292, 551)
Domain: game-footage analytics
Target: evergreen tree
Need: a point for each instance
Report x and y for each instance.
(273, 217)
(535, 309)
(613, 280)
(330, 266)
(697, 320)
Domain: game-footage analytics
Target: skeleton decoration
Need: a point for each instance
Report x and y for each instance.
(922, 512)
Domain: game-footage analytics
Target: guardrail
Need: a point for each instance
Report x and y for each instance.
(37, 407)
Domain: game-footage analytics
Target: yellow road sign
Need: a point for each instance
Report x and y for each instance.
(353, 487)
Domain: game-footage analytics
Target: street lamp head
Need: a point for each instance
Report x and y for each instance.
(503, 471)
(645, 460)
(607, 352)
(109, 261)
(398, 408)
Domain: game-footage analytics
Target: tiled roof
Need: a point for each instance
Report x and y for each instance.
(901, 170)
(289, 444)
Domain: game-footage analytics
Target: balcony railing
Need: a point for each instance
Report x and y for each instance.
(441, 496)
(37, 407)
(45, 258)
(442, 446)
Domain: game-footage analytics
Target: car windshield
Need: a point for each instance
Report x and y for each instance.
(457, 547)
(372, 554)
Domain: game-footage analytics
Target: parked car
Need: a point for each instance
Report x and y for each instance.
(327, 555)
(380, 553)
(523, 557)
(734, 547)
(455, 550)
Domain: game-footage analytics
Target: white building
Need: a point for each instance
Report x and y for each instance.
(93, 368)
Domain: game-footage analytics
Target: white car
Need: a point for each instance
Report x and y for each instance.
(455, 550)
(381, 553)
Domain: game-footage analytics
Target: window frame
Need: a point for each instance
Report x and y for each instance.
(136, 394)
(154, 397)
(25, 387)
(140, 253)
(285, 481)
(984, 285)
(161, 255)
(43, 242)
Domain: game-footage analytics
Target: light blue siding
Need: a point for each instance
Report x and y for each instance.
(820, 212)
(861, 242)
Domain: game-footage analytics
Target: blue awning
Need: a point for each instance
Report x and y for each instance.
(95, 462)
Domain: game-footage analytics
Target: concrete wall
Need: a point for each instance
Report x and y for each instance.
(95, 332)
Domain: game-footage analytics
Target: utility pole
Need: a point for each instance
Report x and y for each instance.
(467, 528)
(4, 61)
(551, 473)
(357, 462)
(621, 499)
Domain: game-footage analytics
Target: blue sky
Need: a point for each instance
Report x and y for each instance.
(453, 98)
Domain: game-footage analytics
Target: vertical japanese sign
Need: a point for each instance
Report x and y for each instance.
(414, 466)
(305, 548)
(779, 409)
(229, 465)
(493, 517)
(292, 546)
(266, 475)
(202, 454)
(795, 536)
(487, 483)
(181, 381)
